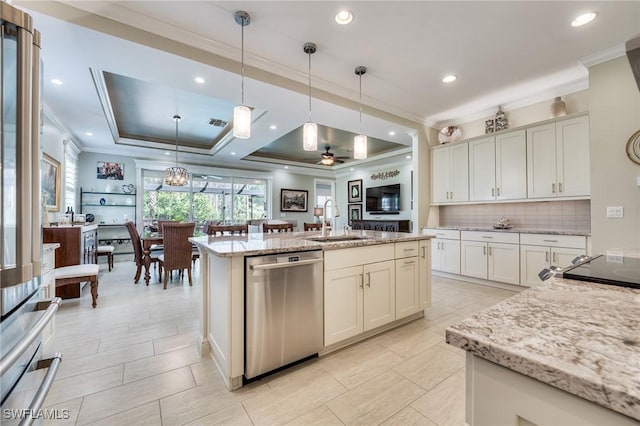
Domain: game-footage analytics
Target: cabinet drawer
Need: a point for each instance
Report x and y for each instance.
(406, 249)
(345, 258)
(550, 240)
(449, 234)
(491, 237)
(48, 261)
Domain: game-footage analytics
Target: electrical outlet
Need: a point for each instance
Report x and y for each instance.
(616, 212)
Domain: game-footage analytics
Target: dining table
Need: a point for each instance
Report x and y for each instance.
(150, 239)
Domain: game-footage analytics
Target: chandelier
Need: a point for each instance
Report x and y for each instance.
(176, 176)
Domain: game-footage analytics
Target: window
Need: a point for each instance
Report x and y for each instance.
(70, 175)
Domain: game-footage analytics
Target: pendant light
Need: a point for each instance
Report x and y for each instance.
(242, 113)
(360, 141)
(176, 176)
(310, 129)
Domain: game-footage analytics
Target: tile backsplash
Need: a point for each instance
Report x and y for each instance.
(541, 215)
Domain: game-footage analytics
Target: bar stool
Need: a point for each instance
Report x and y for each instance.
(106, 251)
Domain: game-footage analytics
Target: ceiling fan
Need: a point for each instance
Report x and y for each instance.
(329, 159)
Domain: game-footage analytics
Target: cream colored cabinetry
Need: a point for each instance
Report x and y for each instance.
(540, 251)
(48, 287)
(497, 167)
(490, 255)
(558, 159)
(450, 178)
(445, 250)
(424, 274)
(407, 279)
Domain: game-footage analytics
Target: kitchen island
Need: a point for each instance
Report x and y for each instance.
(387, 272)
(566, 352)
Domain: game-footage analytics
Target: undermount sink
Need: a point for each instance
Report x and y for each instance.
(336, 238)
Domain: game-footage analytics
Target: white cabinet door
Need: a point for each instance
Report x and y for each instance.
(572, 153)
(407, 286)
(504, 263)
(459, 173)
(436, 255)
(561, 256)
(343, 304)
(482, 169)
(424, 274)
(533, 259)
(440, 166)
(541, 161)
(379, 294)
(473, 259)
(511, 166)
(450, 252)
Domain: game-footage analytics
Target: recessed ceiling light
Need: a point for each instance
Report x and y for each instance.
(392, 133)
(89, 134)
(56, 81)
(233, 153)
(273, 127)
(350, 169)
(408, 157)
(585, 18)
(199, 80)
(167, 153)
(286, 167)
(449, 78)
(344, 17)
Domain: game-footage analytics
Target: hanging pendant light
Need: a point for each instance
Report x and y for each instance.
(242, 113)
(360, 141)
(176, 176)
(310, 129)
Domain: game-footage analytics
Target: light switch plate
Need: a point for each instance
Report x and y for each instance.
(615, 212)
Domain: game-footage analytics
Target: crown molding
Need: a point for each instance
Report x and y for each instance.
(603, 56)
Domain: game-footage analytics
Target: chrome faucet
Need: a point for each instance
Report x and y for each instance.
(335, 214)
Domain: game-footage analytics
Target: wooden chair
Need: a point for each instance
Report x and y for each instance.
(106, 251)
(75, 274)
(137, 250)
(177, 249)
(207, 223)
(228, 229)
(279, 227)
(312, 226)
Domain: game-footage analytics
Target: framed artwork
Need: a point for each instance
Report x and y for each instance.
(293, 200)
(354, 189)
(111, 171)
(50, 183)
(355, 212)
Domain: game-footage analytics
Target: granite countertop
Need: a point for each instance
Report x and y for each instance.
(259, 243)
(49, 246)
(84, 228)
(583, 338)
(518, 230)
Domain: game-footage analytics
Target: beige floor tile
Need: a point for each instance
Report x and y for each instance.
(288, 399)
(355, 365)
(408, 417)
(232, 415)
(75, 347)
(127, 339)
(320, 416)
(67, 413)
(134, 394)
(146, 367)
(145, 415)
(102, 360)
(376, 400)
(410, 340)
(172, 343)
(205, 372)
(431, 366)
(444, 404)
(84, 384)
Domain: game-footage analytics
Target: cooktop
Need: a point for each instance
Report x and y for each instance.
(614, 270)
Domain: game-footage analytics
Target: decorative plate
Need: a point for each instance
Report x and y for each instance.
(633, 147)
(103, 201)
(89, 218)
(128, 188)
(449, 134)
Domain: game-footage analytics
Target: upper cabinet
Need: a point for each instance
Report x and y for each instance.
(497, 167)
(558, 159)
(450, 178)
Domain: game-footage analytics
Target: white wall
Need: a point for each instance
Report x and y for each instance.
(282, 179)
(614, 109)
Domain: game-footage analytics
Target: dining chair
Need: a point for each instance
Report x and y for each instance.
(161, 223)
(137, 250)
(277, 227)
(312, 226)
(207, 224)
(177, 249)
(228, 229)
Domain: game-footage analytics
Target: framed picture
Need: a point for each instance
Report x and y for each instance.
(354, 211)
(293, 200)
(50, 183)
(354, 189)
(112, 171)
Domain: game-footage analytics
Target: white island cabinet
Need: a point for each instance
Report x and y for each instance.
(361, 292)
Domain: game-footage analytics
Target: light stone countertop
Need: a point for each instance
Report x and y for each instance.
(581, 337)
(514, 230)
(46, 247)
(260, 243)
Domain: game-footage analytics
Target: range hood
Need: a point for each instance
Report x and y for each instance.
(633, 55)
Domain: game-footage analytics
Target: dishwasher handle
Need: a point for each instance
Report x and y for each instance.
(286, 264)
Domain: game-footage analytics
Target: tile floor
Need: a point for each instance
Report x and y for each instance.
(133, 361)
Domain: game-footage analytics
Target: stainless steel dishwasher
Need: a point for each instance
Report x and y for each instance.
(283, 310)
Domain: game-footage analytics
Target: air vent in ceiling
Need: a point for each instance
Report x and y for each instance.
(216, 122)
